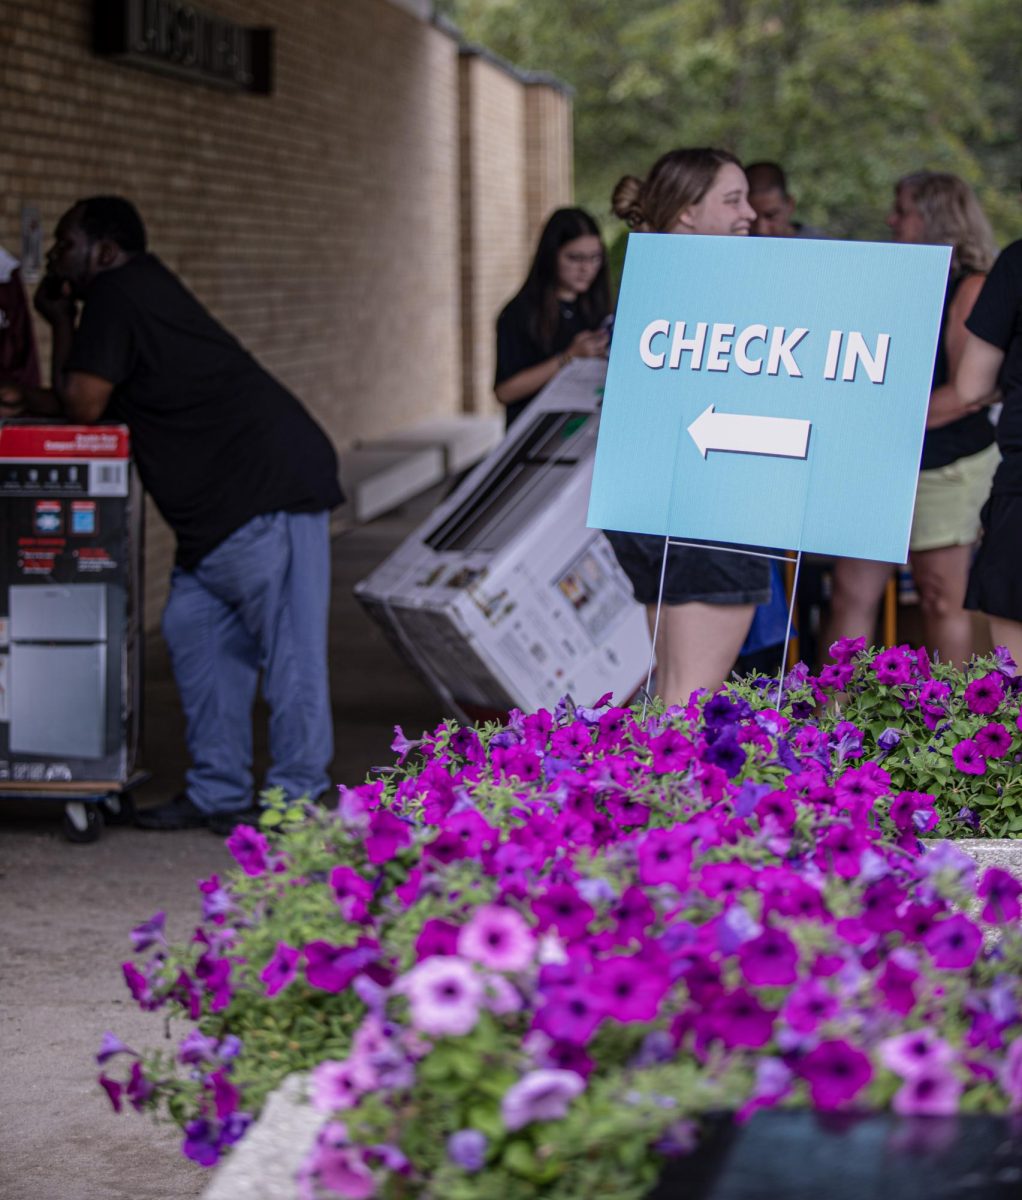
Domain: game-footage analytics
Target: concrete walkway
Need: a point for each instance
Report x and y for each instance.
(65, 912)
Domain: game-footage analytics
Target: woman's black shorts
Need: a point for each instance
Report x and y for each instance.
(995, 581)
(708, 576)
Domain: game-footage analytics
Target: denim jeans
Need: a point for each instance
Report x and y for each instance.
(257, 603)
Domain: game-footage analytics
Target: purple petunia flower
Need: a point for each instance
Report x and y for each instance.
(541, 1095)
(994, 741)
(845, 650)
(201, 1143)
(915, 1053)
(335, 1086)
(1001, 892)
(444, 995)
(332, 968)
(629, 988)
(1011, 1075)
(984, 695)
(498, 938)
(665, 856)
(954, 943)
(249, 848)
(933, 1092)
(808, 1005)
(968, 758)
(769, 960)
(836, 1072)
(739, 1019)
(387, 835)
(110, 1046)
(560, 907)
(281, 968)
(351, 892)
(467, 1148)
(889, 740)
(570, 1013)
(196, 1047)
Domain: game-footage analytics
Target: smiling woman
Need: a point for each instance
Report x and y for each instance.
(700, 602)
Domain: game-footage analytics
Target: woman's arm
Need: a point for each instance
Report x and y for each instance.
(590, 343)
(978, 368)
(948, 403)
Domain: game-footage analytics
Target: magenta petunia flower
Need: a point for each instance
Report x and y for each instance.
(739, 1019)
(769, 960)
(444, 995)
(984, 695)
(994, 741)
(836, 1072)
(628, 988)
(968, 758)
(351, 892)
(954, 943)
(1001, 892)
(332, 968)
(808, 1005)
(560, 907)
(892, 666)
(281, 968)
(665, 856)
(913, 811)
(387, 835)
(725, 879)
(845, 650)
(437, 937)
(249, 848)
(933, 1092)
(672, 752)
(498, 938)
(841, 850)
(541, 1095)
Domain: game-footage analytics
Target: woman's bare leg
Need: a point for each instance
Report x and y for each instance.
(941, 576)
(1008, 634)
(697, 645)
(858, 589)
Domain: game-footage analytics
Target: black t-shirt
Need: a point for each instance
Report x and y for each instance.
(217, 439)
(518, 347)
(997, 319)
(969, 434)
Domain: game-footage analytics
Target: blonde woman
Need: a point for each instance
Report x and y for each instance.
(959, 456)
(709, 595)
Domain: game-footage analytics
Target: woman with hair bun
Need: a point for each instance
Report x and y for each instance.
(959, 456)
(709, 596)
(559, 313)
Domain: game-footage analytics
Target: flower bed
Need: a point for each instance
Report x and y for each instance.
(529, 958)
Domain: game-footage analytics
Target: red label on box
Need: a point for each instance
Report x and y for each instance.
(36, 442)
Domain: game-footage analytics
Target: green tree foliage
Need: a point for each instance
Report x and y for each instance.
(847, 94)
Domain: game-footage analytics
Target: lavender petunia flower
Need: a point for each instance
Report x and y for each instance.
(467, 1148)
(541, 1095)
(149, 933)
(111, 1045)
(444, 994)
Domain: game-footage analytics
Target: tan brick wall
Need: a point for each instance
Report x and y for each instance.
(321, 224)
(549, 175)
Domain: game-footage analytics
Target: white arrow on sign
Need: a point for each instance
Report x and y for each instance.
(742, 433)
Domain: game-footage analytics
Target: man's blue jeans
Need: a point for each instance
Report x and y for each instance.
(257, 603)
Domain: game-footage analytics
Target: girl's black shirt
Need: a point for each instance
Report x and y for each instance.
(518, 348)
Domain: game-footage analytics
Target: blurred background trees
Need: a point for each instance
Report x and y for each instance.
(847, 95)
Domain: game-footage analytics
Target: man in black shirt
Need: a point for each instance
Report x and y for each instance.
(242, 474)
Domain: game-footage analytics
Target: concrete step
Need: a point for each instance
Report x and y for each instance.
(377, 479)
(462, 439)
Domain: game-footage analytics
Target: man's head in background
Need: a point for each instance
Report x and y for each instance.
(768, 195)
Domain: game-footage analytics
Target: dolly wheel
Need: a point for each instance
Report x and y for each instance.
(82, 822)
(118, 808)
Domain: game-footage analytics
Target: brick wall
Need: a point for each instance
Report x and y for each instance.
(320, 224)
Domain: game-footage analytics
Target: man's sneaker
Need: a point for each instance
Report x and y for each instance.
(179, 813)
(224, 823)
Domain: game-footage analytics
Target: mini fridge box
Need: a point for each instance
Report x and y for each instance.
(503, 598)
(70, 604)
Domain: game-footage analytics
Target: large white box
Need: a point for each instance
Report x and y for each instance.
(503, 598)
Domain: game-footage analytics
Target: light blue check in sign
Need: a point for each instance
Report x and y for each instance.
(769, 392)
